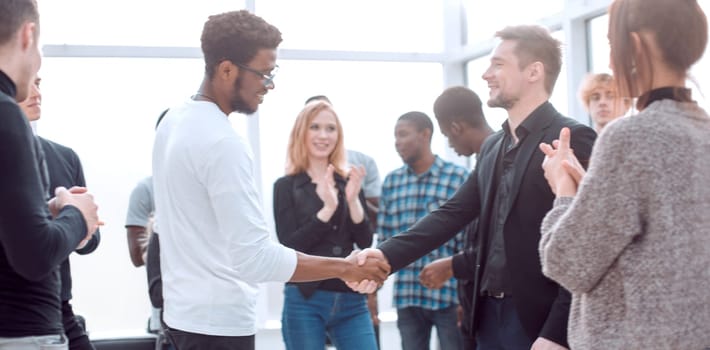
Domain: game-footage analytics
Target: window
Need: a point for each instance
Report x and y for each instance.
(484, 18)
(597, 29)
(365, 25)
(129, 22)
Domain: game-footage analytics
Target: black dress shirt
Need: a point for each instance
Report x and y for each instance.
(495, 276)
(296, 204)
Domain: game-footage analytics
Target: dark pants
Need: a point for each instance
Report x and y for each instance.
(192, 341)
(75, 332)
(500, 327)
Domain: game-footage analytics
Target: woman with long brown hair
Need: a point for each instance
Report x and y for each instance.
(319, 210)
(630, 238)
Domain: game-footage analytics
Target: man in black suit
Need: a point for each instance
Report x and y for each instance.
(514, 306)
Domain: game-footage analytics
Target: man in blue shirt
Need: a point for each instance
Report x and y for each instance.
(408, 194)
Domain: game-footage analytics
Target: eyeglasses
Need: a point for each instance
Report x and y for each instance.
(268, 79)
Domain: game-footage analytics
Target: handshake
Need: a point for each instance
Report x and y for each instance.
(368, 270)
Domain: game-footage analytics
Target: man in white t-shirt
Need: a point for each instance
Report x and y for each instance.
(215, 245)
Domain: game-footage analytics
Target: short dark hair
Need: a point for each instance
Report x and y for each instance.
(534, 43)
(420, 120)
(236, 36)
(13, 13)
(459, 103)
(317, 98)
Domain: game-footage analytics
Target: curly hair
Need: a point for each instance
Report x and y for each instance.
(297, 154)
(534, 43)
(13, 13)
(236, 36)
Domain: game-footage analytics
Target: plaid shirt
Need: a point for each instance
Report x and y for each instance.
(406, 198)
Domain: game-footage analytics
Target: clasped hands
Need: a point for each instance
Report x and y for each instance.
(80, 198)
(563, 171)
(369, 271)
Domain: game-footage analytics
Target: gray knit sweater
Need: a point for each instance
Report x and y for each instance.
(633, 246)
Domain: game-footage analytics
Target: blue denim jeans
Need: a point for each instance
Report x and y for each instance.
(344, 316)
(415, 325)
(500, 327)
(42, 342)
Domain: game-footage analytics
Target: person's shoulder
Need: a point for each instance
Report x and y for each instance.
(10, 112)
(491, 140)
(65, 151)
(359, 157)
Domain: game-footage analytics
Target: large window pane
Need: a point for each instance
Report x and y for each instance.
(129, 22)
(365, 25)
(484, 18)
(597, 29)
(561, 90)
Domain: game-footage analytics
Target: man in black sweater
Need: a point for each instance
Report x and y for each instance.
(35, 236)
(64, 169)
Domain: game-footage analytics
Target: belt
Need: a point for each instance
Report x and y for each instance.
(499, 295)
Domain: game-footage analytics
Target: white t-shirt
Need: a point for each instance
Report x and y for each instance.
(214, 242)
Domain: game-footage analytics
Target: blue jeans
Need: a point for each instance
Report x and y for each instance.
(344, 316)
(500, 327)
(415, 325)
(42, 342)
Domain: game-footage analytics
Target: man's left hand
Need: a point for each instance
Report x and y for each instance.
(545, 344)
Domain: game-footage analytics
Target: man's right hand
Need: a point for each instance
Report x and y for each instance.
(82, 200)
(363, 269)
(364, 258)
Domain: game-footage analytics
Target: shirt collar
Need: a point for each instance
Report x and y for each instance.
(7, 85)
(434, 169)
(537, 120)
(303, 178)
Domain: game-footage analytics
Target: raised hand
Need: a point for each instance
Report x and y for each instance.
(561, 182)
(328, 193)
(355, 178)
(436, 273)
(364, 257)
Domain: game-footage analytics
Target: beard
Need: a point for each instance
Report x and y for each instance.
(502, 101)
(237, 102)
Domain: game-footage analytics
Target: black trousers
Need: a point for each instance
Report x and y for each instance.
(182, 340)
(75, 332)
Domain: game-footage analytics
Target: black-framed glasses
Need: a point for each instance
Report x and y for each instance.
(268, 79)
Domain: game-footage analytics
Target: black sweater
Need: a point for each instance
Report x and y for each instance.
(64, 169)
(32, 245)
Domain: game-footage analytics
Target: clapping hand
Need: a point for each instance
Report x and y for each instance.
(326, 190)
(562, 169)
(355, 178)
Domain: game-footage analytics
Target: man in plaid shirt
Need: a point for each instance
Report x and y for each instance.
(408, 194)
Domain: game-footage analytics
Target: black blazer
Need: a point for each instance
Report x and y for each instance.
(295, 207)
(542, 305)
